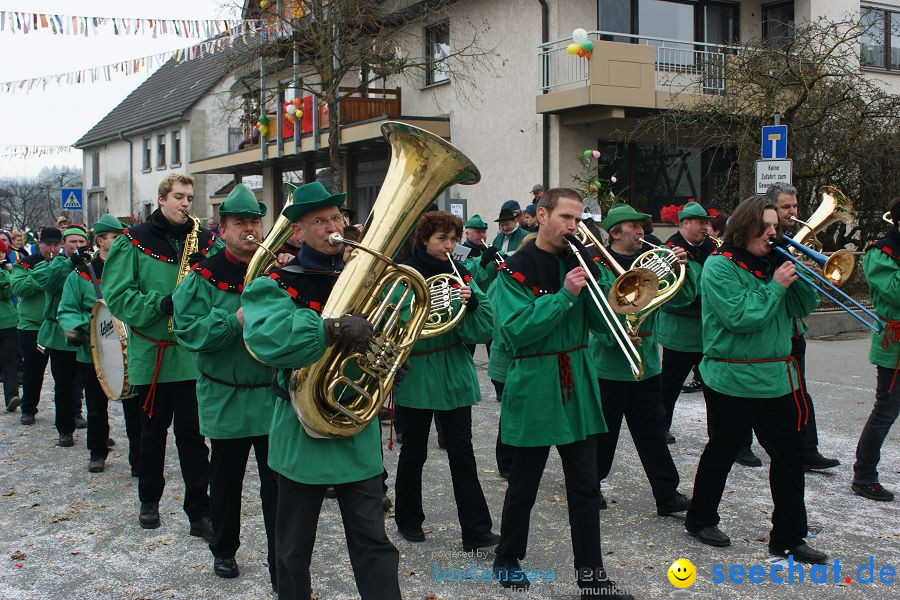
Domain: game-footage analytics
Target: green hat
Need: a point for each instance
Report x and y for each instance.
(108, 223)
(475, 222)
(693, 210)
(620, 213)
(241, 202)
(309, 197)
(75, 231)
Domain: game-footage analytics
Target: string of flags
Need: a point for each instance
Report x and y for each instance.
(20, 22)
(18, 151)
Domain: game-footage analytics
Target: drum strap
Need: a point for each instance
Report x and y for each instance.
(90, 270)
(161, 345)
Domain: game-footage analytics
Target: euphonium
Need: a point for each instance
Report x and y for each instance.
(342, 392)
(835, 207)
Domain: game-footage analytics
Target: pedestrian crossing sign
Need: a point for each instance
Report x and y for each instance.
(71, 199)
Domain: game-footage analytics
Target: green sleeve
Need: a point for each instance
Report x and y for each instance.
(476, 327)
(687, 293)
(199, 324)
(73, 314)
(741, 310)
(122, 291)
(801, 299)
(527, 320)
(883, 276)
(52, 277)
(22, 281)
(5, 288)
(277, 331)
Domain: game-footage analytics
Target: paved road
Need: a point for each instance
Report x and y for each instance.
(67, 533)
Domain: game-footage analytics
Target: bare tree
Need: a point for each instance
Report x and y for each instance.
(35, 202)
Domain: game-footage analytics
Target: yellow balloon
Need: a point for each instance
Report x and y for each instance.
(573, 48)
(299, 113)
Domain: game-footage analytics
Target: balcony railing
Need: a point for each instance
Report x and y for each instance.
(680, 64)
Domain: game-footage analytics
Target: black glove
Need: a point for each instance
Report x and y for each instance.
(488, 254)
(76, 338)
(80, 256)
(166, 306)
(352, 330)
(588, 256)
(472, 303)
(401, 372)
(194, 258)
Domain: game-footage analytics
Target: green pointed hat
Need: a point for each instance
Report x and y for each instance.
(108, 223)
(475, 222)
(309, 197)
(241, 202)
(620, 213)
(693, 210)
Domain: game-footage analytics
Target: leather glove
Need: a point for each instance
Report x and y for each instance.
(353, 330)
(76, 338)
(80, 256)
(488, 255)
(166, 306)
(402, 370)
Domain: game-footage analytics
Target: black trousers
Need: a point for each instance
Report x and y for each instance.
(504, 452)
(226, 480)
(373, 557)
(175, 401)
(63, 367)
(132, 411)
(33, 371)
(9, 362)
(471, 507)
(97, 412)
(676, 366)
(884, 414)
(774, 420)
(487, 346)
(580, 468)
(639, 403)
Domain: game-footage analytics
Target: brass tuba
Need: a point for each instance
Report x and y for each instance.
(342, 392)
(834, 207)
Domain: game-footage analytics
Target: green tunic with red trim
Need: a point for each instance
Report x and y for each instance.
(552, 396)
(500, 357)
(747, 316)
(234, 392)
(284, 329)
(882, 268)
(679, 324)
(78, 299)
(9, 318)
(52, 277)
(30, 295)
(140, 271)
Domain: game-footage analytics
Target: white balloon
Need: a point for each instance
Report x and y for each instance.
(579, 35)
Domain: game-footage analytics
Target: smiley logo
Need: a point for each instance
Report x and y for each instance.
(682, 573)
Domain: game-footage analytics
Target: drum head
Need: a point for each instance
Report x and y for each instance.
(109, 339)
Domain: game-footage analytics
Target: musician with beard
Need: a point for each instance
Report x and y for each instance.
(284, 328)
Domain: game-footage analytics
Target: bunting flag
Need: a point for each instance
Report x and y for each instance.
(19, 22)
(28, 151)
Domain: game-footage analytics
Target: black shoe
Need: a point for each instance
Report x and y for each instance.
(873, 491)
(747, 458)
(110, 442)
(26, 419)
(711, 536)
(488, 539)
(690, 388)
(677, 503)
(80, 422)
(603, 503)
(510, 574)
(65, 440)
(817, 462)
(14, 403)
(226, 568)
(386, 504)
(97, 465)
(202, 527)
(412, 535)
(330, 493)
(670, 439)
(801, 553)
(149, 517)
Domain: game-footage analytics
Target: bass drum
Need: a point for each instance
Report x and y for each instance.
(109, 342)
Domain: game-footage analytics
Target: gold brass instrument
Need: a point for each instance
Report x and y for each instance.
(342, 393)
(834, 207)
(717, 241)
(191, 246)
(446, 307)
(886, 217)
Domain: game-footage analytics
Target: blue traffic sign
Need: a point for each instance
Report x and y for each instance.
(71, 199)
(774, 142)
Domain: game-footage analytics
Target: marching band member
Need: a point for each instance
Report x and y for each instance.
(639, 402)
(551, 396)
(882, 268)
(139, 278)
(511, 233)
(284, 329)
(480, 262)
(74, 314)
(750, 380)
(234, 396)
(442, 382)
(30, 306)
(679, 327)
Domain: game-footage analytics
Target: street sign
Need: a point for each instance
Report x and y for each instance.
(772, 171)
(71, 199)
(774, 142)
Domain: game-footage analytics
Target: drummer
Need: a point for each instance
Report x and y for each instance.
(74, 316)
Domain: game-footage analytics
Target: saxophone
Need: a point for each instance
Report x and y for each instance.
(191, 246)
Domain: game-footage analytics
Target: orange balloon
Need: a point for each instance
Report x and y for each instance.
(296, 102)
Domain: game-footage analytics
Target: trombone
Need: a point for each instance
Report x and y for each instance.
(835, 270)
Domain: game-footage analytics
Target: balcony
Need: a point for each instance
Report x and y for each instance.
(639, 72)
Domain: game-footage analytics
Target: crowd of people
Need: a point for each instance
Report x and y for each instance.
(222, 357)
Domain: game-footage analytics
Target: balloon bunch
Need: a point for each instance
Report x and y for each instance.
(292, 109)
(262, 123)
(580, 45)
(591, 184)
(263, 4)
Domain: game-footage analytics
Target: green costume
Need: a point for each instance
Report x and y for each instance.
(9, 318)
(747, 316)
(881, 266)
(29, 294)
(52, 277)
(500, 357)
(515, 238)
(679, 326)
(75, 305)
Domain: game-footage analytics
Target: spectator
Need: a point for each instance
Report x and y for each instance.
(511, 234)
(530, 215)
(9, 320)
(17, 250)
(537, 191)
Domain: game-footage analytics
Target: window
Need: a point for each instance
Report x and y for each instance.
(176, 147)
(95, 169)
(146, 164)
(880, 40)
(235, 136)
(711, 21)
(437, 49)
(161, 151)
(778, 23)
